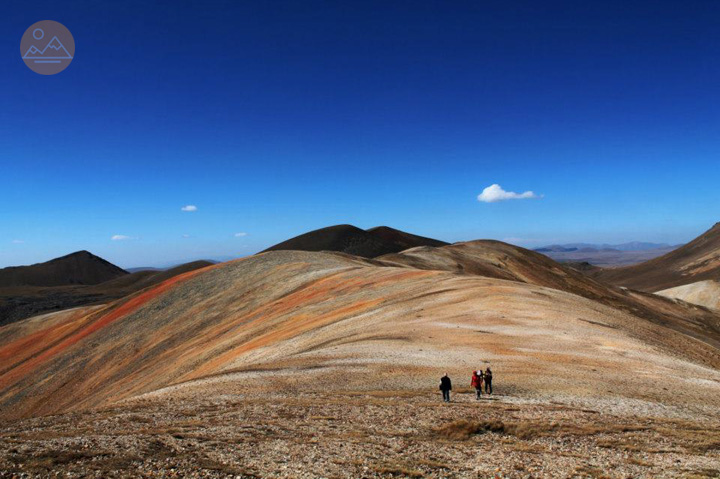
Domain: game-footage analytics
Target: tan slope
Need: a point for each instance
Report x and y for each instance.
(704, 293)
(504, 261)
(332, 321)
(493, 259)
(696, 261)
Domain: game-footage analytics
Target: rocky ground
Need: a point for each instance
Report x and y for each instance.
(229, 433)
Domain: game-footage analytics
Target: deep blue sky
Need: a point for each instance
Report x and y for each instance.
(277, 117)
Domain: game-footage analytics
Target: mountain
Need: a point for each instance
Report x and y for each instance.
(495, 259)
(696, 261)
(56, 45)
(555, 248)
(53, 49)
(142, 279)
(331, 322)
(402, 240)
(232, 370)
(355, 241)
(20, 302)
(63, 282)
(80, 268)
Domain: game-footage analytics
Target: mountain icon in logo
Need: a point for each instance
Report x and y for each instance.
(47, 57)
(54, 50)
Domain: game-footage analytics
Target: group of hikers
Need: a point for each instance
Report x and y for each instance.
(478, 379)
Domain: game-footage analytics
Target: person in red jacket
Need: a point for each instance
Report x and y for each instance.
(476, 382)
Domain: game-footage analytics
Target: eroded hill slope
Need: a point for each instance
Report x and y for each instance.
(335, 322)
(495, 259)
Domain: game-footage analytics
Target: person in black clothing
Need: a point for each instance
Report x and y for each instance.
(445, 387)
(488, 381)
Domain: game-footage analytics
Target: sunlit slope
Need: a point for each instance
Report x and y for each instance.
(332, 321)
(496, 259)
(704, 293)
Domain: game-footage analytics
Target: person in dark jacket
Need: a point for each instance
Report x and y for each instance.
(488, 381)
(445, 387)
(476, 382)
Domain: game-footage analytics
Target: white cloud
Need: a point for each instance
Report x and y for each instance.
(189, 208)
(121, 237)
(240, 235)
(17, 241)
(186, 236)
(494, 193)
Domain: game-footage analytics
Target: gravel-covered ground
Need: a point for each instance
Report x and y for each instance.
(359, 434)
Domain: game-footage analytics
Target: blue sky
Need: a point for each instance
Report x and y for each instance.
(277, 117)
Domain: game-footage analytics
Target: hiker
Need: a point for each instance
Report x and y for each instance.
(476, 382)
(488, 381)
(445, 387)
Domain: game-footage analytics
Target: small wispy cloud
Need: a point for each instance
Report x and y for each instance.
(121, 237)
(189, 208)
(495, 193)
(240, 235)
(17, 241)
(185, 236)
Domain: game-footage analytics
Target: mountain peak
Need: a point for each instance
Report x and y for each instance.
(350, 239)
(80, 267)
(83, 253)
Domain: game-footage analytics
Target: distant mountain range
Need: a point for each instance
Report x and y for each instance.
(588, 247)
(696, 261)
(585, 256)
(82, 278)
